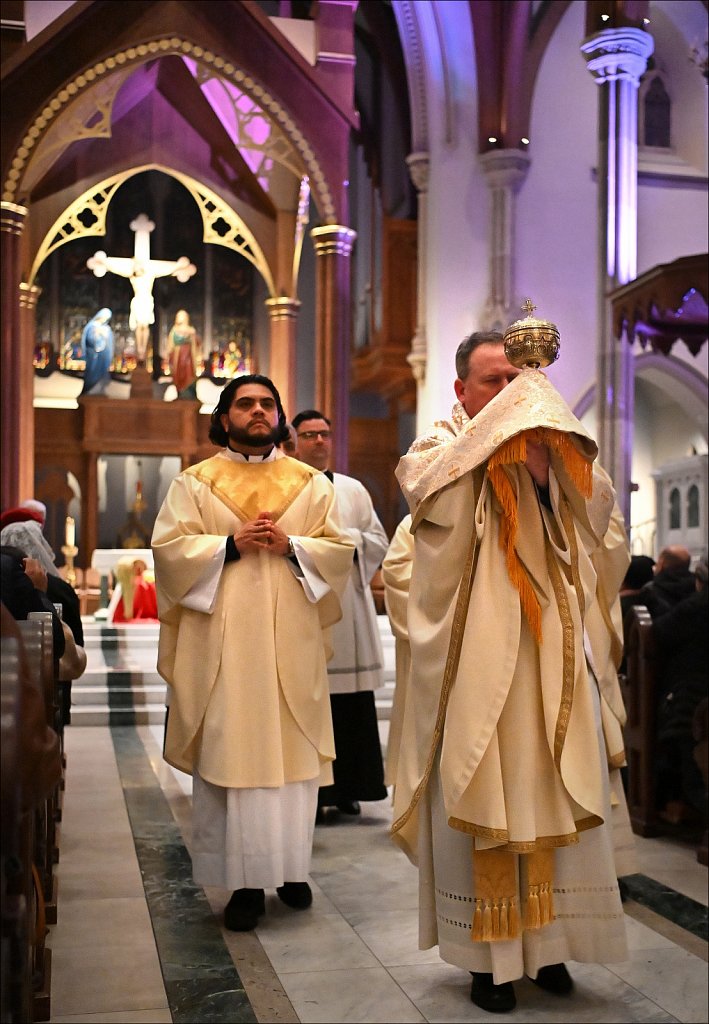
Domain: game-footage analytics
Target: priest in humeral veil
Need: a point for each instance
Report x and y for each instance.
(250, 564)
(513, 712)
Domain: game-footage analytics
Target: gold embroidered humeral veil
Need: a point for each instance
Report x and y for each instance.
(500, 696)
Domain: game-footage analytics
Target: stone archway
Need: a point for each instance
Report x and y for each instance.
(58, 103)
(96, 201)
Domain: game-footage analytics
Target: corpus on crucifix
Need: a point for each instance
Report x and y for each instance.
(141, 271)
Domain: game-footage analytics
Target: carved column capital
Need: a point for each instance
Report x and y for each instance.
(618, 53)
(505, 171)
(418, 164)
(283, 308)
(29, 293)
(333, 247)
(12, 217)
(333, 239)
(505, 168)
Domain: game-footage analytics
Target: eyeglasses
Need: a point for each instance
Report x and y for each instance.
(310, 435)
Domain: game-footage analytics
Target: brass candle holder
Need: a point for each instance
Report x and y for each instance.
(531, 343)
(70, 552)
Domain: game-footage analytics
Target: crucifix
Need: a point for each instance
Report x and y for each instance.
(141, 271)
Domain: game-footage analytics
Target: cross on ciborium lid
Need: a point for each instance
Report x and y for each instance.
(531, 342)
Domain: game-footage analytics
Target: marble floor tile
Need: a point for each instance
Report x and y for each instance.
(266, 994)
(113, 878)
(353, 892)
(349, 997)
(392, 935)
(672, 978)
(674, 863)
(148, 1015)
(640, 936)
(106, 977)
(442, 994)
(297, 941)
(121, 922)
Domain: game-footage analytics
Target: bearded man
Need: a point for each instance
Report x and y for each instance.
(250, 564)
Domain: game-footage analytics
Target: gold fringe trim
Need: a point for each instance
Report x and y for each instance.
(580, 472)
(540, 906)
(495, 920)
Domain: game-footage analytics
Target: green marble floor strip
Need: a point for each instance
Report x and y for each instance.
(200, 979)
(668, 903)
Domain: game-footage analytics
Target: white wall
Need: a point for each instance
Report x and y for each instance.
(556, 207)
(458, 214)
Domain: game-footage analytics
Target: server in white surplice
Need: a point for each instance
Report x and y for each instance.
(356, 669)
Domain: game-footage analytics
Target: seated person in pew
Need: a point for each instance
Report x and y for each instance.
(682, 650)
(26, 534)
(24, 590)
(39, 755)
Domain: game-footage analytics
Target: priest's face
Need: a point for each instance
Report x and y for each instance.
(489, 371)
(252, 420)
(314, 443)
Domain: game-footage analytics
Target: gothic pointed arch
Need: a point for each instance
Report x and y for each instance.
(86, 217)
(90, 47)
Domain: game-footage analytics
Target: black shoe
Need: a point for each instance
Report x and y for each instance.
(319, 816)
(295, 894)
(488, 996)
(349, 807)
(554, 978)
(243, 910)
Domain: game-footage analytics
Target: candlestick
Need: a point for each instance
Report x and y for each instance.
(70, 552)
(70, 532)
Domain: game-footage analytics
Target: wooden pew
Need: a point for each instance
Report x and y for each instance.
(17, 892)
(639, 693)
(38, 642)
(640, 687)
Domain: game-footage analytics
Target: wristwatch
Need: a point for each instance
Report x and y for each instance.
(291, 550)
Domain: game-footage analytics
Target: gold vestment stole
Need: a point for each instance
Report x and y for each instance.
(249, 488)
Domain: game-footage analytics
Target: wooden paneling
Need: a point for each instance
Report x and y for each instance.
(374, 454)
(68, 440)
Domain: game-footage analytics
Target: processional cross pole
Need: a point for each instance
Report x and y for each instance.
(141, 271)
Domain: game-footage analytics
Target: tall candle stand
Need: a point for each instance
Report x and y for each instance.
(70, 552)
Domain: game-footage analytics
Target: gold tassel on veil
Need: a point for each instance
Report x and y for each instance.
(496, 916)
(540, 899)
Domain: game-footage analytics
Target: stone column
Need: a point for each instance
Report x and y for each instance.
(283, 313)
(15, 365)
(418, 164)
(28, 337)
(208, 323)
(89, 509)
(505, 170)
(616, 57)
(333, 247)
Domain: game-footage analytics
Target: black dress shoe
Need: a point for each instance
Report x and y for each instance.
(554, 978)
(349, 807)
(295, 894)
(319, 816)
(488, 996)
(243, 910)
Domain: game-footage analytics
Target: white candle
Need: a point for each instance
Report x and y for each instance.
(70, 533)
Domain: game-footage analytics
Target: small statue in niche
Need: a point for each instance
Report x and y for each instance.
(184, 355)
(97, 346)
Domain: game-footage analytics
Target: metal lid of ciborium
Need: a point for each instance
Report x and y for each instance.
(531, 342)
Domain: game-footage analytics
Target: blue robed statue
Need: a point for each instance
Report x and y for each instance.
(97, 346)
